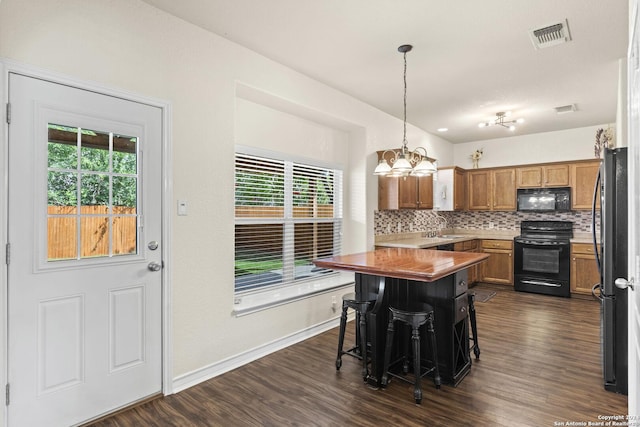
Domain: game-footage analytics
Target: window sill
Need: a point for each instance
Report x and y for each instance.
(252, 303)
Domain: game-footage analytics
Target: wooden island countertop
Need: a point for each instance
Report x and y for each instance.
(404, 263)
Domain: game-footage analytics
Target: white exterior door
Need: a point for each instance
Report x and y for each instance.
(633, 72)
(84, 286)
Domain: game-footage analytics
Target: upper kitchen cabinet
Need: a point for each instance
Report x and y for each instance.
(405, 193)
(492, 189)
(449, 189)
(543, 176)
(410, 192)
(583, 180)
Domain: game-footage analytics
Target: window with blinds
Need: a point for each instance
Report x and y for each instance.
(286, 214)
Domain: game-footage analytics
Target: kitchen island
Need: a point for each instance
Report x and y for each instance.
(398, 275)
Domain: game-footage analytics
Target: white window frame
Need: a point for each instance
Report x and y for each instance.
(250, 301)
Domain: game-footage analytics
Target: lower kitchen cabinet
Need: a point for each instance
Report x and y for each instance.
(470, 246)
(499, 267)
(584, 270)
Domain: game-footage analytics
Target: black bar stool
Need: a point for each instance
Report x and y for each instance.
(359, 351)
(471, 297)
(415, 316)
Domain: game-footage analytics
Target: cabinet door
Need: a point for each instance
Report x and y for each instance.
(425, 192)
(556, 176)
(584, 273)
(504, 189)
(583, 179)
(584, 270)
(499, 267)
(459, 189)
(408, 192)
(529, 177)
(479, 190)
(387, 192)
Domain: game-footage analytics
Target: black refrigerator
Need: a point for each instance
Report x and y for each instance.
(612, 263)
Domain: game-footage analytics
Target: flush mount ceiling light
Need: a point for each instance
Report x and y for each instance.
(404, 162)
(500, 120)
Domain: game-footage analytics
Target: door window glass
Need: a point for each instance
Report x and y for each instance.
(92, 193)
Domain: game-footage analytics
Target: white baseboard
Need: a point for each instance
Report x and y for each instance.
(192, 378)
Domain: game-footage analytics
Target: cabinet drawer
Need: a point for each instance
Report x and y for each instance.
(461, 306)
(582, 248)
(461, 282)
(497, 244)
(468, 245)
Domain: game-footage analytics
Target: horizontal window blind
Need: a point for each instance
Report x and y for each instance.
(287, 214)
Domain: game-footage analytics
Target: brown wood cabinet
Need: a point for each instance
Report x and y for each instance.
(543, 176)
(459, 181)
(584, 270)
(492, 189)
(499, 267)
(583, 179)
(405, 193)
(473, 273)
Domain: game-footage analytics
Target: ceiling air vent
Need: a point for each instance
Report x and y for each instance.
(571, 108)
(550, 35)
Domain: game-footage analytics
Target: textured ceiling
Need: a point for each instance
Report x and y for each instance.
(470, 59)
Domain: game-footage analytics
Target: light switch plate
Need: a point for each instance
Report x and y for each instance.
(182, 207)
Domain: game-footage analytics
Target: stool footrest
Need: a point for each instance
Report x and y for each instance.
(411, 380)
(353, 352)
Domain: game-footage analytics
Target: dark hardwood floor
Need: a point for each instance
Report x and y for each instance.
(540, 365)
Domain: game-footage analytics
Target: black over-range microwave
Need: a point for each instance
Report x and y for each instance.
(544, 199)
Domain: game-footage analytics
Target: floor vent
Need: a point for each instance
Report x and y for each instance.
(550, 35)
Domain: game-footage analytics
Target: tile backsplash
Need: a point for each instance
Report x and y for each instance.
(412, 220)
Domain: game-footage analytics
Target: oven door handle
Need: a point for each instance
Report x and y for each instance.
(536, 243)
(538, 283)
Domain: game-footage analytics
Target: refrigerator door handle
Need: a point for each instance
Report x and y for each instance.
(622, 283)
(593, 220)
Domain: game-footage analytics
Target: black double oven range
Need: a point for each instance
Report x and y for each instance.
(542, 257)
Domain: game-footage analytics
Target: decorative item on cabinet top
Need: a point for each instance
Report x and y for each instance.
(605, 138)
(476, 156)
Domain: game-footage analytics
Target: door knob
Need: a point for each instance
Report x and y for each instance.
(623, 283)
(154, 266)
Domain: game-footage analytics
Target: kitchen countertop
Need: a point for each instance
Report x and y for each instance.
(404, 263)
(417, 241)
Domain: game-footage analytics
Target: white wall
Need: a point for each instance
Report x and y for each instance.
(570, 144)
(129, 45)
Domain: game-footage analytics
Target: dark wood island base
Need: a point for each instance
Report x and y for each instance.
(399, 275)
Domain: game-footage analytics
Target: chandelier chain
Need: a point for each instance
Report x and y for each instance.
(404, 135)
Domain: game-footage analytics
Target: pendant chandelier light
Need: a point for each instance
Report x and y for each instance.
(403, 162)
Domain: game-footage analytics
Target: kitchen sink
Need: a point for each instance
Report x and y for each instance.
(451, 236)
